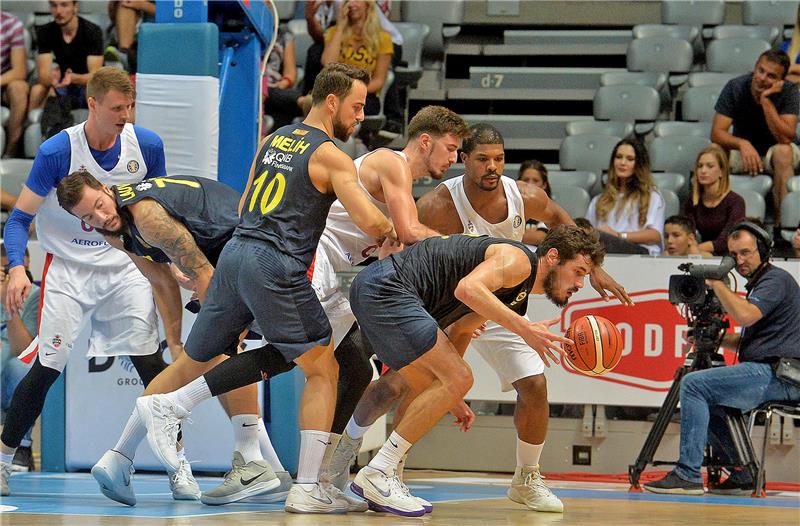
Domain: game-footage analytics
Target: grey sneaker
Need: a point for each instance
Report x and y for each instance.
(242, 481)
(354, 505)
(5, 472)
(314, 498)
(275, 495)
(528, 488)
(343, 457)
(183, 484)
(113, 473)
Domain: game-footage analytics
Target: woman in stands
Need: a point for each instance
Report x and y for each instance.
(792, 48)
(630, 208)
(712, 205)
(357, 39)
(535, 173)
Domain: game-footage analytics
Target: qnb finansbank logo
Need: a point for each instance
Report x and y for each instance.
(652, 332)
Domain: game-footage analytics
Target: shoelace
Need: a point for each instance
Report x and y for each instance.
(534, 480)
(182, 475)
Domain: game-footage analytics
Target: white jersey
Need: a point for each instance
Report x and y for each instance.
(66, 236)
(512, 227)
(346, 244)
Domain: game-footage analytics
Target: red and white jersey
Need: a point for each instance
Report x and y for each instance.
(66, 236)
(345, 243)
(512, 227)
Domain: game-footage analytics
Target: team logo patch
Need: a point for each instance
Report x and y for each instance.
(133, 166)
(56, 341)
(144, 186)
(517, 221)
(300, 132)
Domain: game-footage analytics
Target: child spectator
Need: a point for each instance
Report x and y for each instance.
(679, 237)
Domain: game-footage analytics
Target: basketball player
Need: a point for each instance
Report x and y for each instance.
(262, 274)
(419, 309)
(83, 275)
(184, 220)
(483, 201)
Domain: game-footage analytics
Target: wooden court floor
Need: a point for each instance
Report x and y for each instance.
(460, 499)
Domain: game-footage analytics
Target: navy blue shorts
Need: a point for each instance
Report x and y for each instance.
(393, 318)
(254, 280)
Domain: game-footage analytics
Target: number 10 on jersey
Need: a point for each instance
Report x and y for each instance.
(271, 193)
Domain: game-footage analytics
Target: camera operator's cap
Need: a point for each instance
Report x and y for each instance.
(763, 239)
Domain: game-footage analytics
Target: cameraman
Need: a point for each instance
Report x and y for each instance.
(770, 320)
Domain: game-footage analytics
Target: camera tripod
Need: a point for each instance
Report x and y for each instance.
(695, 361)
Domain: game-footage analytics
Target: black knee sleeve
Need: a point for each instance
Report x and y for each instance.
(150, 366)
(355, 374)
(246, 368)
(27, 402)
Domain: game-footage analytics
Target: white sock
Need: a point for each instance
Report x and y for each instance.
(333, 441)
(6, 458)
(528, 454)
(401, 466)
(245, 437)
(191, 394)
(312, 449)
(267, 451)
(132, 436)
(390, 454)
(354, 430)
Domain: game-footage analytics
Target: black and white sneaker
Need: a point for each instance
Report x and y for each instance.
(674, 485)
(23, 460)
(733, 486)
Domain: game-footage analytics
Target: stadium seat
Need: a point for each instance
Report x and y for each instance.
(683, 32)
(709, 78)
(700, 13)
(413, 37)
(673, 56)
(302, 41)
(673, 182)
(2, 139)
(672, 204)
(643, 78)
(676, 153)
(14, 173)
(754, 204)
(31, 140)
(285, 8)
(793, 184)
(572, 199)
(590, 153)
(373, 123)
(613, 128)
(761, 184)
(585, 180)
(698, 103)
(638, 104)
(770, 34)
(790, 215)
(734, 55)
(444, 19)
(780, 13)
(526, 132)
(697, 129)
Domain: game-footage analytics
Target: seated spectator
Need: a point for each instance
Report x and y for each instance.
(680, 239)
(713, 206)
(78, 48)
(762, 107)
(13, 80)
(320, 15)
(630, 209)
(535, 173)
(16, 333)
(358, 40)
(281, 95)
(126, 15)
(792, 48)
(796, 242)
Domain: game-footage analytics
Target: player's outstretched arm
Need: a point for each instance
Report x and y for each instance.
(161, 230)
(343, 180)
(16, 239)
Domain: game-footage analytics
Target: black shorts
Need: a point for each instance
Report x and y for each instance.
(394, 319)
(254, 280)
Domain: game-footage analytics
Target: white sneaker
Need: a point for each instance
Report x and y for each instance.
(400, 468)
(344, 455)
(162, 417)
(113, 472)
(183, 484)
(385, 493)
(5, 473)
(242, 481)
(528, 488)
(353, 505)
(307, 498)
(277, 494)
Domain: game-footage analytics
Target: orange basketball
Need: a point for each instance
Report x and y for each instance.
(598, 345)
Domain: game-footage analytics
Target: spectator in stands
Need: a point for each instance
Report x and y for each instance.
(713, 206)
(792, 48)
(762, 107)
(534, 172)
(630, 208)
(16, 333)
(78, 48)
(282, 97)
(358, 40)
(13, 84)
(320, 16)
(126, 15)
(680, 238)
(796, 242)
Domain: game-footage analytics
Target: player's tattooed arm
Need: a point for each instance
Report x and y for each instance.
(161, 230)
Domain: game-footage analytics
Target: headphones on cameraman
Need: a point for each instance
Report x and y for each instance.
(763, 239)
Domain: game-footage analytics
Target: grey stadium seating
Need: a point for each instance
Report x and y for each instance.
(734, 55)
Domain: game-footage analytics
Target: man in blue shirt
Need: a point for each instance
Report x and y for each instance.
(770, 317)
